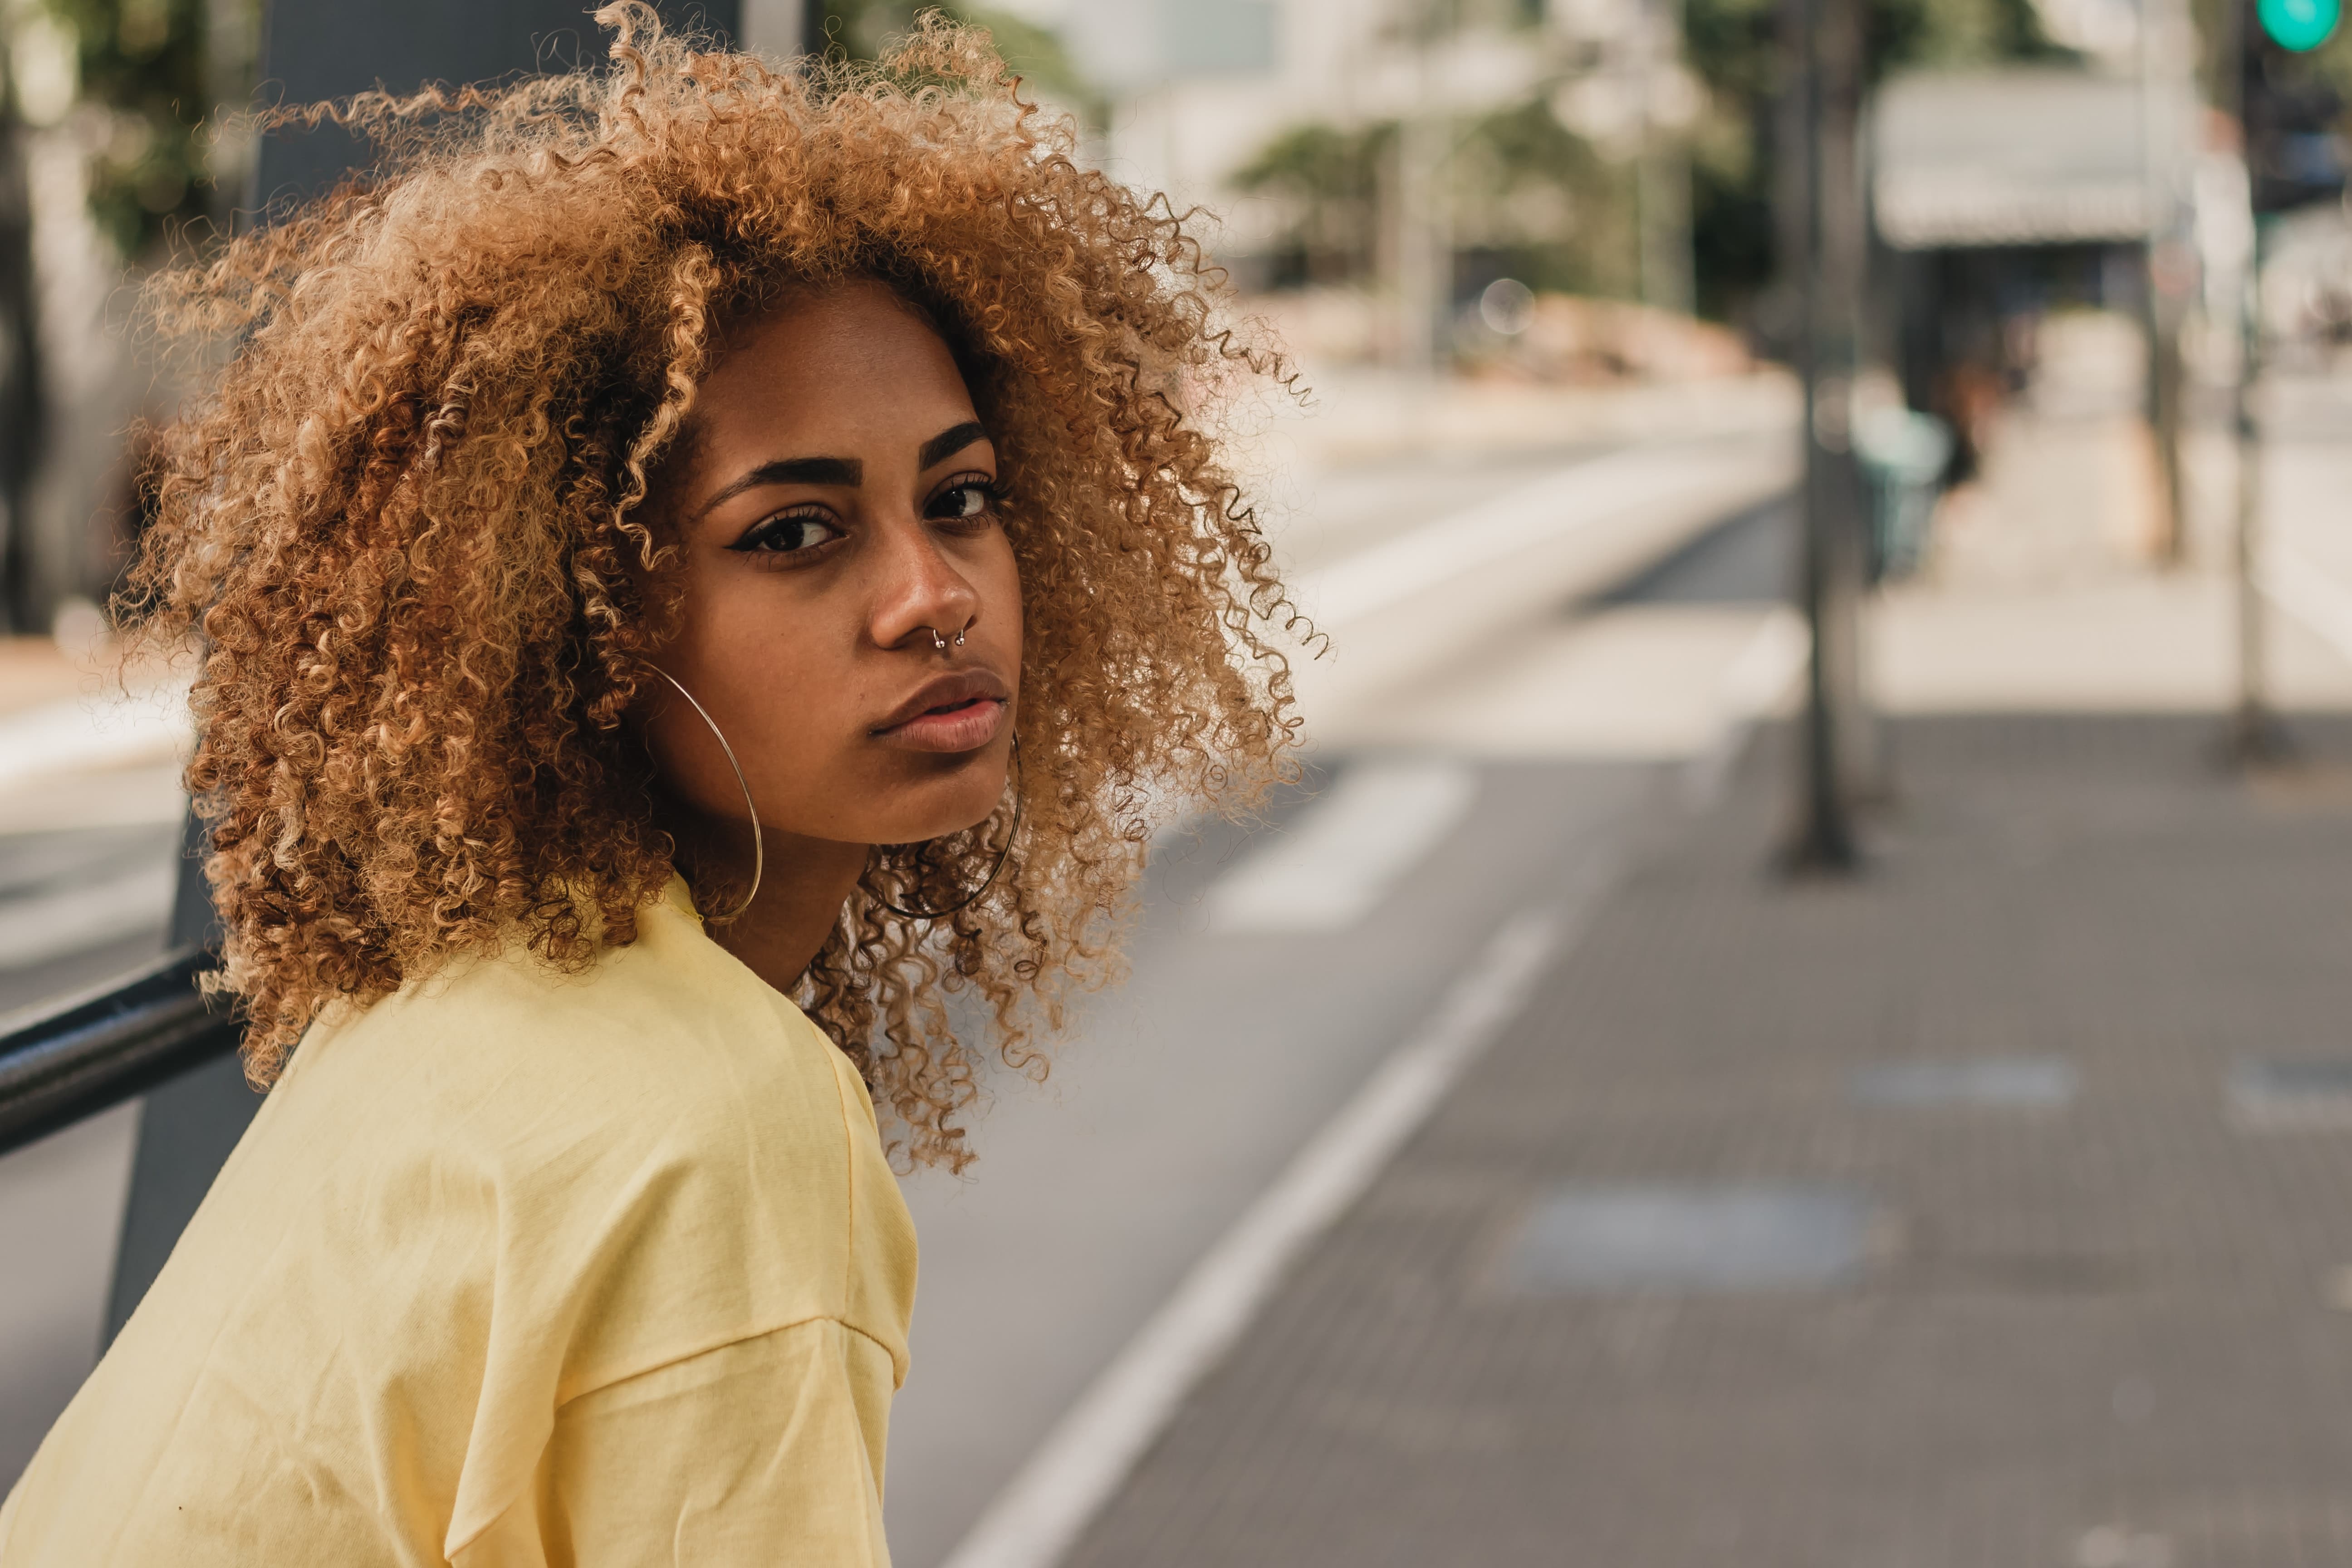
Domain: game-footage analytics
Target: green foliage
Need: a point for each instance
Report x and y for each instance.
(1327, 179)
(1433, 17)
(1524, 191)
(1731, 46)
(1539, 199)
(1734, 45)
(1037, 57)
(1731, 236)
(145, 62)
(1955, 33)
(861, 29)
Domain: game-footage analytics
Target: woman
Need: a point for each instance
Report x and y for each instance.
(795, 483)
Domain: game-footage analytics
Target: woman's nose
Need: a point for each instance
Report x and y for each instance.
(924, 597)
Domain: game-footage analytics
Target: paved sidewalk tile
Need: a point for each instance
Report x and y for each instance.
(1678, 1279)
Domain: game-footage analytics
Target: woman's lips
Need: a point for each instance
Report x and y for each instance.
(952, 712)
(959, 727)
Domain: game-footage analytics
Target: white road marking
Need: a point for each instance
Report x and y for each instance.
(1576, 497)
(1753, 685)
(2297, 584)
(1332, 867)
(1098, 1440)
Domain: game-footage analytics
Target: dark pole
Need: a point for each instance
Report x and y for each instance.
(2255, 734)
(2161, 313)
(2163, 265)
(22, 602)
(1825, 56)
(313, 49)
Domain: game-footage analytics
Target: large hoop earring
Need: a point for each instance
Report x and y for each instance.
(759, 840)
(1002, 855)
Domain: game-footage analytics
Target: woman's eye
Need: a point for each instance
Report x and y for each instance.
(959, 503)
(790, 535)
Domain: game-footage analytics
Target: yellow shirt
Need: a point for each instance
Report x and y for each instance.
(515, 1268)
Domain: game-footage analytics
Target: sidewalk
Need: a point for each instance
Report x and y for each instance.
(1990, 1209)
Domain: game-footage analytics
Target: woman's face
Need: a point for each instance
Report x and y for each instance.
(834, 497)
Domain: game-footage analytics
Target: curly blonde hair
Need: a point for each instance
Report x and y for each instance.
(405, 522)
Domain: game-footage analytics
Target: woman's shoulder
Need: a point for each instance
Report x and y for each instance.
(511, 1186)
(663, 1039)
(661, 1130)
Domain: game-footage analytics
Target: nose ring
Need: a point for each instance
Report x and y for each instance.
(939, 643)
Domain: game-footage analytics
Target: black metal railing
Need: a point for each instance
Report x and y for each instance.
(89, 1053)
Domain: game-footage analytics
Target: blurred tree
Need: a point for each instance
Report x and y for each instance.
(860, 29)
(1531, 200)
(1954, 33)
(1328, 181)
(151, 68)
(1730, 46)
(22, 425)
(1543, 205)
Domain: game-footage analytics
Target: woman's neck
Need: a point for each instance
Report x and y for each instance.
(802, 889)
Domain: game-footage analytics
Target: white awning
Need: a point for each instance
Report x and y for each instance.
(2024, 156)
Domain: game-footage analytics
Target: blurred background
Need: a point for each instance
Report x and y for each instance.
(1799, 1013)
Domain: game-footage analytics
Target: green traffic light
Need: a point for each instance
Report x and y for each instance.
(2298, 24)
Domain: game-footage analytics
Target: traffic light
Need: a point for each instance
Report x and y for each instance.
(2298, 25)
(2295, 150)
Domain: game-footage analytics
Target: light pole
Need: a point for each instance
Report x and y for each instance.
(1661, 164)
(2165, 92)
(1420, 224)
(2255, 736)
(1825, 52)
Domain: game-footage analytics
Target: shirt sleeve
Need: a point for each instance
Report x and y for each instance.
(767, 1450)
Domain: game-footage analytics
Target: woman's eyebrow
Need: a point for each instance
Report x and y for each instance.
(948, 442)
(846, 471)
